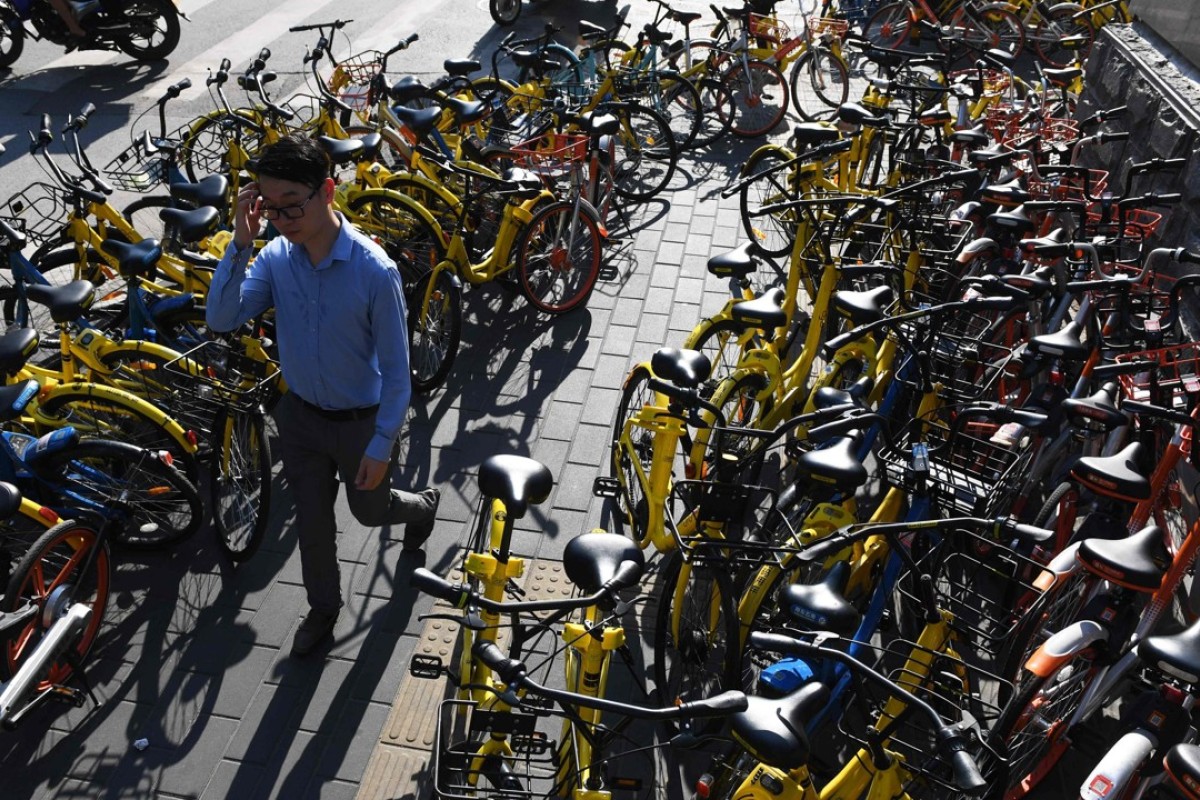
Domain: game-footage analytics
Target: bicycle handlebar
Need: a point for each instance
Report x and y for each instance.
(337, 24)
(513, 672)
(627, 575)
(950, 742)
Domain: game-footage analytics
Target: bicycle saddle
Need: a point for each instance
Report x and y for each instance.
(538, 63)
(461, 67)
(971, 137)
(408, 89)
(66, 302)
(829, 397)
(857, 114)
(1011, 193)
(1052, 245)
(191, 224)
(736, 263)
(134, 259)
(772, 731)
(656, 36)
(516, 481)
(862, 307)
(764, 312)
(737, 13)
(466, 112)
(593, 559)
(1176, 654)
(810, 134)
(685, 17)
(13, 400)
(1099, 408)
(1182, 764)
(600, 124)
(1061, 77)
(421, 121)
(16, 347)
(1016, 220)
(989, 157)
(1136, 562)
(1116, 475)
(821, 606)
(49, 443)
(1064, 344)
(210, 191)
(935, 116)
(686, 369)
(835, 464)
(590, 30)
(341, 151)
(371, 143)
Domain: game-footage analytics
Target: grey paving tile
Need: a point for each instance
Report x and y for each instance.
(387, 660)
(275, 621)
(563, 416)
(675, 232)
(291, 773)
(619, 340)
(670, 253)
(574, 490)
(241, 680)
(653, 328)
(592, 446)
(184, 771)
(665, 274)
(268, 722)
(231, 779)
(351, 740)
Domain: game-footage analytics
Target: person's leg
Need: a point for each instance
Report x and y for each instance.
(68, 18)
(310, 467)
(382, 505)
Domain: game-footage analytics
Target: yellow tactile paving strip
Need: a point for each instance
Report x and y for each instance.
(399, 765)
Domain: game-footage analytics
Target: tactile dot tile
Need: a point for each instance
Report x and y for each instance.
(547, 580)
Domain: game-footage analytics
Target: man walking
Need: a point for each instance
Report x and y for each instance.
(343, 349)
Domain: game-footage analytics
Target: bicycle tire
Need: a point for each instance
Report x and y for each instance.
(679, 102)
(721, 343)
(142, 215)
(434, 330)
(1030, 730)
(80, 407)
(820, 84)
(890, 26)
(437, 204)
(240, 482)
(49, 573)
(737, 399)
(97, 471)
(1005, 29)
(775, 232)
(558, 257)
(504, 12)
(696, 634)
(635, 395)
(12, 37)
(646, 156)
(1058, 26)
(760, 97)
(409, 239)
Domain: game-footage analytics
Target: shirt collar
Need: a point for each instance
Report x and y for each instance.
(343, 245)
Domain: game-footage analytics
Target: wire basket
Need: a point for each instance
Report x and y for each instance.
(1175, 383)
(527, 773)
(136, 170)
(1135, 317)
(769, 29)
(965, 473)
(357, 70)
(42, 208)
(1069, 187)
(517, 124)
(552, 155)
(828, 26)
(954, 687)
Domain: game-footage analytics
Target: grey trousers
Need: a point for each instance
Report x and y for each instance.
(318, 455)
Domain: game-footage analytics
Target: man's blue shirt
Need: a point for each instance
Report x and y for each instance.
(340, 324)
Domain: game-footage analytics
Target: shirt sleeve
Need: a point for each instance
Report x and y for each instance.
(238, 292)
(390, 330)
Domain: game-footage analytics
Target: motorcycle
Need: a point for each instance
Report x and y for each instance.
(147, 30)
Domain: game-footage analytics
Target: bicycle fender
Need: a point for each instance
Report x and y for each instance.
(1073, 7)
(1061, 567)
(1119, 766)
(975, 247)
(1056, 650)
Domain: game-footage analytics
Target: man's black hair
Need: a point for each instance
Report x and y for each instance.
(295, 158)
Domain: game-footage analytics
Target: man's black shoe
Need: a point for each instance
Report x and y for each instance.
(312, 631)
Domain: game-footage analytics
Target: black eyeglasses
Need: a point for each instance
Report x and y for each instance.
(288, 212)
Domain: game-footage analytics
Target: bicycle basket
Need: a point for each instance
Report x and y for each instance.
(136, 170)
(551, 155)
(769, 29)
(828, 26)
(1069, 187)
(1174, 384)
(957, 689)
(463, 729)
(351, 80)
(1133, 318)
(41, 208)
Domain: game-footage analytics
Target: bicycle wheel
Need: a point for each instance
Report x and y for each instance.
(1031, 731)
(434, 330)
(723, 343)
(434, 202)
(142, 215)
(890, 26)
(1002, 29)
(153, 29)
(635, 395)
(774, 232)
(558, 257)
(737, 398)
(205, 149)
(873, 172)
(52, 575)
(646, 156)
(240, 482)
(504, 12)
(162, 506)
(820, 84)
(409, 239)
(109, 418)
(760, 97)
(12, 37)
(679, 102)
(716, 117)
(1060, 38)
(696, 633)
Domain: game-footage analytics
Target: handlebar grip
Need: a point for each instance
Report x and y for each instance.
(1186, 256)
(435, 586)
(729, 702)
(510, 670)
(186, 83)
(670, 390)
(1169, 414)
(966, 774)
(412, 38)
(1113, 136)
(1026, 531)
(225, 65)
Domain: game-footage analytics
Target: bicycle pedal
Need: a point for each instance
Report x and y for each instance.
(606, 487)
(426, 667)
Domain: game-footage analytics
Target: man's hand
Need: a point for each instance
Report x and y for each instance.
(246, 219)
(370, 473)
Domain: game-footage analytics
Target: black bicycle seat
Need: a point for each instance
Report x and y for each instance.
(461, 67)
(1177, 654)
(1182, 764)
(736, 263)
(764, 312)
(773, 731)
(1116, 475)
(863, 307)
(593, 559)
(1098, 408)
(66, 302)
(821, 606)
(1136, 562)
(686, 369)
(516, 481)
(191, 224)
(212, 190)
(16, 347)
(836, 464)
(341, 151)
(136, 259)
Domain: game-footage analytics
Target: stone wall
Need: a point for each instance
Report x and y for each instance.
(1131, 65)
(1174, 20)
